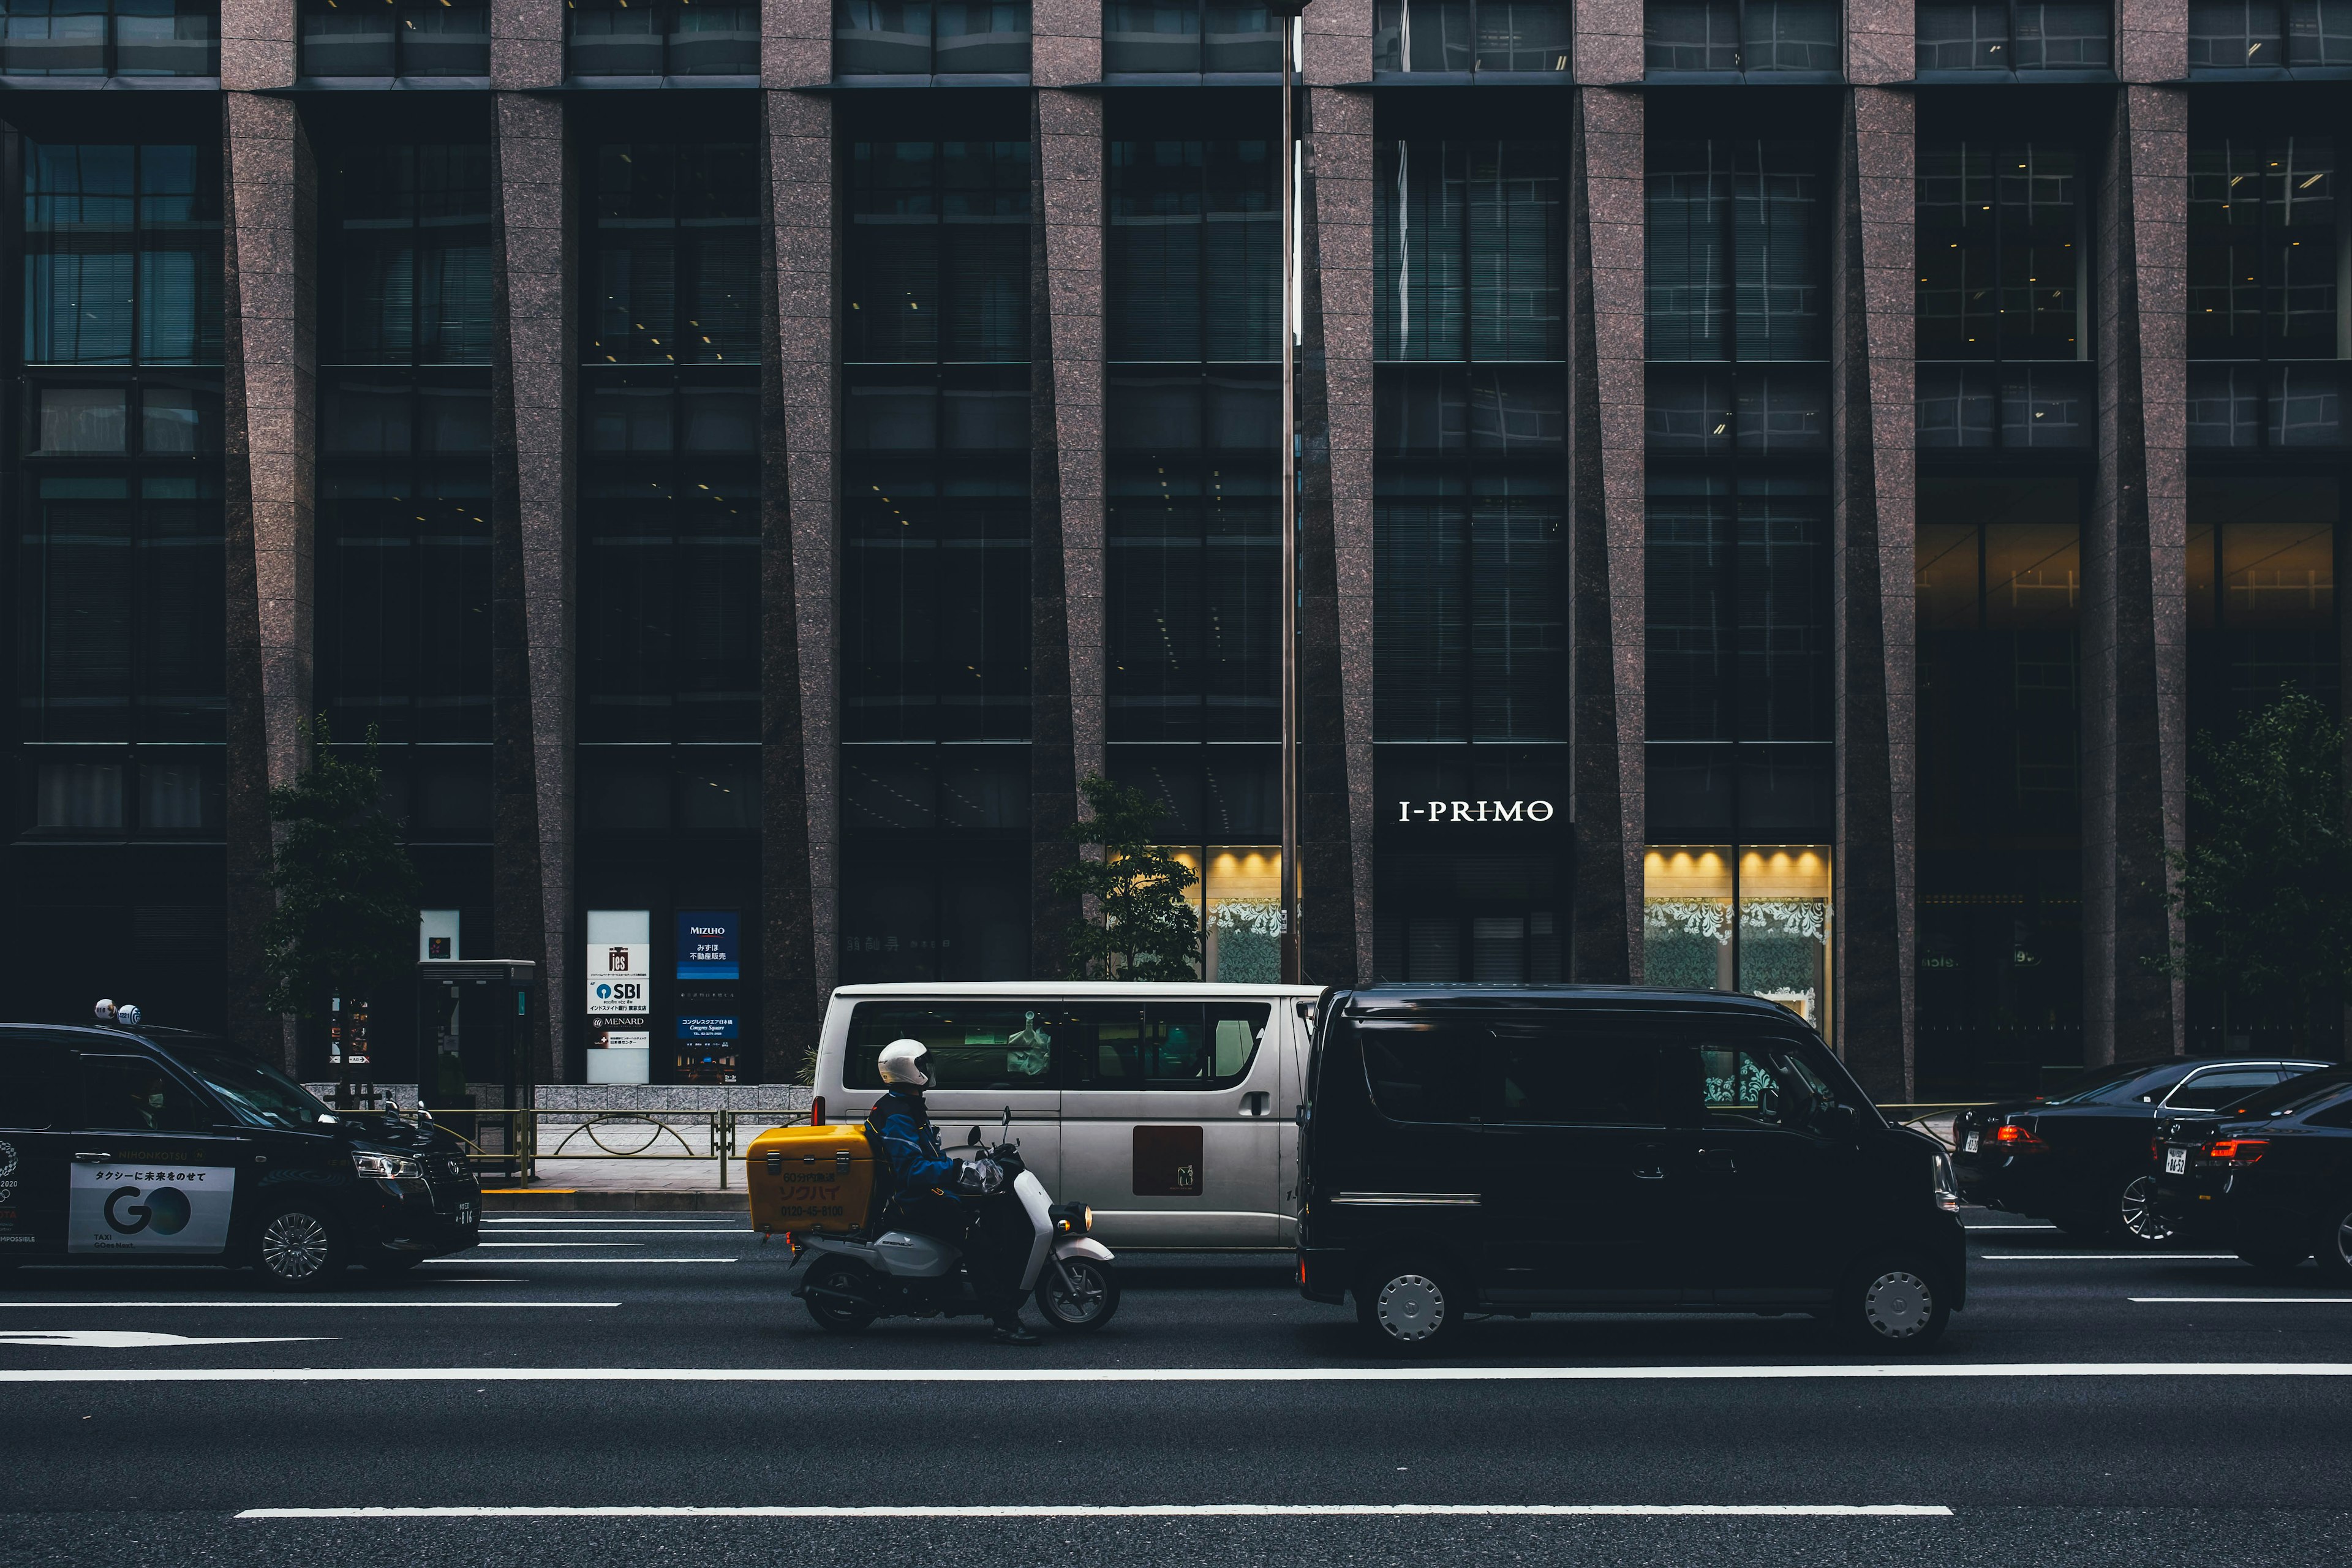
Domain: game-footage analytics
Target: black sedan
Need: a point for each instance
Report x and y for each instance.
(2080, 1157)
(2269, 1178)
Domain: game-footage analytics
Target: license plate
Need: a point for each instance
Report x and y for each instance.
(1969, 1144)
(465, 1214)
(2175, 1162)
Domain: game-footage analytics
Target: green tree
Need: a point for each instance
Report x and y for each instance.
(2264, 891)
(345, 924)
(1150, 930)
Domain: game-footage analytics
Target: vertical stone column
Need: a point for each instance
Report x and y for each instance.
(534, 372)
(2135, 599)
(526, 44)
(1881, 41)
(270, 373)
(257, 45)
(806, 373)
(1608, 43)
(1064, 42)
(1070, 160)
(1873, 588)
(2151, 40)
(1608, 538)
(1336, 397)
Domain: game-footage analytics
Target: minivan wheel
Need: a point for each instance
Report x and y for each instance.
(1891, 1304)
(299, 1247)
(2135, 1214)
(1410, 1309)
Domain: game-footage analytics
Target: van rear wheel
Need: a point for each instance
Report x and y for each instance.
(1891, 1304)
(1412, 1307)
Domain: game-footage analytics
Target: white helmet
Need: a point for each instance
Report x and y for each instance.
(104, 1010)
(902, 1062)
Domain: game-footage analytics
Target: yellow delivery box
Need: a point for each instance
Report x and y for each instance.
(811, 1179)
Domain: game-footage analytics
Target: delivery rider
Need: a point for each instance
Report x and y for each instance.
(944, 1198)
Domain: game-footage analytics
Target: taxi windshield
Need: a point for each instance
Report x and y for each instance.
(257, 1091)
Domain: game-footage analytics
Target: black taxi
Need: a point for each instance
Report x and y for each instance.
(157, 1145)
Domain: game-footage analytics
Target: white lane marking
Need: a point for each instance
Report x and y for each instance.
(2108, 1258)
(559, 1243)
(325, 1306)
(1154, 1510)
(2009, 1228)
(813, 1376)
(129, 1339)
(535, 1262)
(2247, 1300)
(600, 1230)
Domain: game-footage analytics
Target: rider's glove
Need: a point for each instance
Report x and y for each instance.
(979, 1176)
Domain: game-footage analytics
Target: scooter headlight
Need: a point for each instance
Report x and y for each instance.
(1072, 1219)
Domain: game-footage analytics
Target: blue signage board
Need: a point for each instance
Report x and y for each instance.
(707, 946)
(706, 1028)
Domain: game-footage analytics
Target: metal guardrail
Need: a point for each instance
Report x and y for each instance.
(660, 1134)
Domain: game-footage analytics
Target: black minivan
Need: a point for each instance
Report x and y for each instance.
(1611, 1149)
(156, 1145)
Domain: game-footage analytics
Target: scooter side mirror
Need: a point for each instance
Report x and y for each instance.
(972, 1137)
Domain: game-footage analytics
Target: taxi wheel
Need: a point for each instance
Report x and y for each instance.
(2137, 1223)
(1410, 1306)
(1893, 1305)
(299, 1247)
(2335, 1243)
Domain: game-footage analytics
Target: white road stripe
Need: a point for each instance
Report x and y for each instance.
(1155, 1510)
(2108, 1258)
(1976, 1227)
(815, 1376)
(2248, 1300)
(316, 1306)
(535, 1262)
(586, 1230)
(559, 1243)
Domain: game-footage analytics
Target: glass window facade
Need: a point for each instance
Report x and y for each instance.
(1737, 37)
(931, 37)
(2267, 330)
(661, 37)
(1188, 37)
(936, 558)
(109, 37)
(2269, 36)
(1470, 37)
(394, 38)
(2016, 37)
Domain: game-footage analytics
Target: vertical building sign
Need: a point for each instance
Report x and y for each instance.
(619, 1001)
(709, 969)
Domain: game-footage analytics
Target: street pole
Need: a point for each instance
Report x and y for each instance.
(1293, 970)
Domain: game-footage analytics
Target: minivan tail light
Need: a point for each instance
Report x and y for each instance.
(817, 1112)
(2236, 1151)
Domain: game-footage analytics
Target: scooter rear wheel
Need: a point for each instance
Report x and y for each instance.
(827, 1282)
(1084, 1300)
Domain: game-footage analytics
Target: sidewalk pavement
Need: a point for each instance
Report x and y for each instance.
(597, 1184)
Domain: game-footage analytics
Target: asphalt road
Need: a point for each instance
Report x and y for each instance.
(2085, 1409)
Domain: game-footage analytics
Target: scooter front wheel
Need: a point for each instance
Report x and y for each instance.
(834, 1293)
(1078, 1294)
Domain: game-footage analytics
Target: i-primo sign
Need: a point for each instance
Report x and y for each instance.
(1475, 811)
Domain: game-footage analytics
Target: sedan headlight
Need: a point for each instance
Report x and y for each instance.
(387, 1167)
(1947, 1183)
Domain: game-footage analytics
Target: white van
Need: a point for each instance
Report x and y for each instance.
(1170, 1109)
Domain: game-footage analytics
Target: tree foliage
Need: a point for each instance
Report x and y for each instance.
(2265, 888)
(1150, 930)
(345, 924)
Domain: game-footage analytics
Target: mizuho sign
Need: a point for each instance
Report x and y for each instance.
(1474, 811)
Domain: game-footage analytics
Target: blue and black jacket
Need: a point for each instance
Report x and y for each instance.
(921, 1175)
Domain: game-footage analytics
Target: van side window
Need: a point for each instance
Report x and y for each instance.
(1540, 1074)
(1423, 1072)
(134, 1094)
(987, 1045)
(1172, 1044)
(1756, 1086)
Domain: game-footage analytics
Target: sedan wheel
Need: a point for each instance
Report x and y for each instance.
(2336, 1247)
(2135, 1210)
(297, 1250)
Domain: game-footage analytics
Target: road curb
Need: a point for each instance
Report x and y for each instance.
(689, 1199)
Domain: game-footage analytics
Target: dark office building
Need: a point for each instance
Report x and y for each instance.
(1780, 489)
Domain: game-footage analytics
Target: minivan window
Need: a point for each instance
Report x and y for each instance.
(1540, 1075)
(1171, 1046)
(1423, 1072)
(257, 1091)
(984, 1045)
(1749, 1086)
(134, 1094)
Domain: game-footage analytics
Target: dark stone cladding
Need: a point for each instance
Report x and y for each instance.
(270, 354)
(1069, 139)
(805, 373)
(1335, 407)
(534, 371)
(1872, 590)
(1607, 528)
(2135, 605)
(790, 1008)
(1053, 768)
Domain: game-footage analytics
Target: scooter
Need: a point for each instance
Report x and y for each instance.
(853, 1280)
